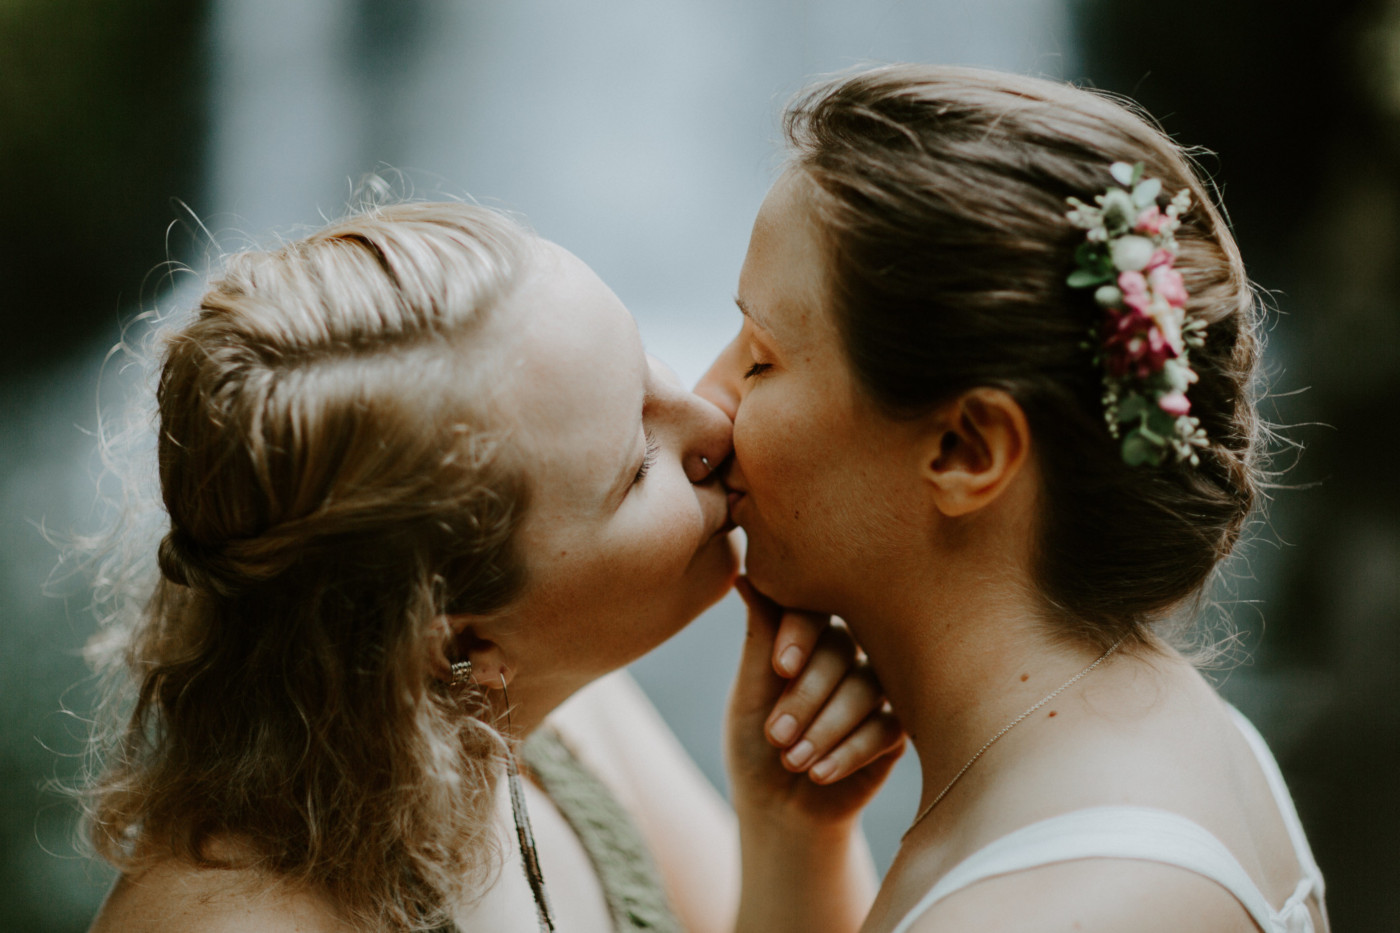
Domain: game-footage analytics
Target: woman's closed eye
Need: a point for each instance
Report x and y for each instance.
(653, 448)
(757, 369)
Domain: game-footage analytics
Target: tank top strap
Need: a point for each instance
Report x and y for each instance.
(1105, 832)
(629, 876)
(1282, 799)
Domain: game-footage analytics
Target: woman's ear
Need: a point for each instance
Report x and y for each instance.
(978, 444)
(458, 638)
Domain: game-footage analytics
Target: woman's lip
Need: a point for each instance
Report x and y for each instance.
(723, 524)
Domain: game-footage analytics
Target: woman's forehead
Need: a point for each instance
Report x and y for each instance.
(575, 369)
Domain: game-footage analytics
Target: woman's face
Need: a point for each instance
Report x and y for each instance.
(626, 538)
(821, 480)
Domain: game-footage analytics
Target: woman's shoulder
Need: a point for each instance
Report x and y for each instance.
(175, 896)
(1113, 789)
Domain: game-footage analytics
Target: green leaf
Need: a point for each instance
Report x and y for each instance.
(1083, 278)
(1094, 257)
(1138, 450)
(1161, 424)
(1125, 174)
(1131, 408)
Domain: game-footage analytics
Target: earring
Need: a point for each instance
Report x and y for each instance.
(461, 672)
(528, 856)
(706, 460)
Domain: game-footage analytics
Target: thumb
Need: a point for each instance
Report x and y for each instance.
(756, 686)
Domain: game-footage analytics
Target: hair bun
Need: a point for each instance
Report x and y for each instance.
(186, 562)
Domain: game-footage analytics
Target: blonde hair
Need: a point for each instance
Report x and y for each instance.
(334, 484)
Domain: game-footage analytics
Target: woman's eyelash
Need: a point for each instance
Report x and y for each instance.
(649, 458)
(757, 369)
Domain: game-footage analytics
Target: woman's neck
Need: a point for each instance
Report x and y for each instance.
(961, 653)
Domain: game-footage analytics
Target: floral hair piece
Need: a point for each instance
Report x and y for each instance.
(1144, 338)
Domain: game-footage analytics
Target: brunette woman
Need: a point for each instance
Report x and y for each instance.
(994, 405)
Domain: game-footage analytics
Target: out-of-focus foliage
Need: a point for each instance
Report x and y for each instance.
(1303, 107)
(102, 122)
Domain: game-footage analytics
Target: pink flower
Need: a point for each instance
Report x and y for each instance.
(1175, 403)
(1134, 288)
(1149, 221)
(1134, 344)
(1160, 257)
(1166, 281)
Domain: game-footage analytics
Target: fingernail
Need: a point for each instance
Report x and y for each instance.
(784, 730)
(797, 755)
(823, 769)
(790, 661)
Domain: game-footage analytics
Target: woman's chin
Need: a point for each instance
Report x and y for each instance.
(775, 581)
(731, 547)
(718, 561)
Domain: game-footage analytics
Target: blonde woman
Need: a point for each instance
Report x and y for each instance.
(425, 492)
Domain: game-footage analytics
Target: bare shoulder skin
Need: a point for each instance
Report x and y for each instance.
(1149, 733)
(175, 896)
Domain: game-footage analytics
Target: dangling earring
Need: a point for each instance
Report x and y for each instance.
(461, 673)
(528, 854)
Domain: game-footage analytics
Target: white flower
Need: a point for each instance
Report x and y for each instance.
(1119, 211)
(1131, 253)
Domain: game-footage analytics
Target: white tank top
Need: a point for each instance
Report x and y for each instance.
(1149, 835)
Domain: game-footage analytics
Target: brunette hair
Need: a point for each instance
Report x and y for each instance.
(942, 192)
(334, 485)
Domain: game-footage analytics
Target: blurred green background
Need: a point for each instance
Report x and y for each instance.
(642, 136)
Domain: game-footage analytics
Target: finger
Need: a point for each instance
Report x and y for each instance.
(804, 697)
(756, 687)
(797, 637)
(855, 698)
(873, 747)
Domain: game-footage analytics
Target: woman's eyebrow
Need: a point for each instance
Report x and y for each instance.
(749, 313)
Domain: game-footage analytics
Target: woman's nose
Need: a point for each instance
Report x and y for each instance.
(705, 432)
(720, 385)
(710, 440)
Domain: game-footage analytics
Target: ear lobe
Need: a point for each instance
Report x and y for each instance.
(981, 442)
(456, 638)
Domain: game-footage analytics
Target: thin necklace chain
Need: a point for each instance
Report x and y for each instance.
(1007, 728)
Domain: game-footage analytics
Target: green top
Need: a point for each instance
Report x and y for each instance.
(629, 876)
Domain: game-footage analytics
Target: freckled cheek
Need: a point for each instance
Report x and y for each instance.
(667, 538)
(771, 454)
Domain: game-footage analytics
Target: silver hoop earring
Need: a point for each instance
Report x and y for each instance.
(461, 672)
